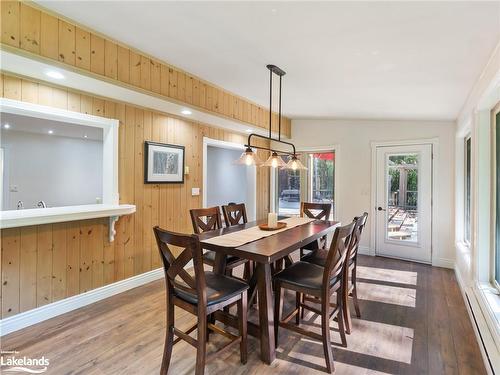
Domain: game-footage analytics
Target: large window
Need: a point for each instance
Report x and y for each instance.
(467, 191)
(316, 184)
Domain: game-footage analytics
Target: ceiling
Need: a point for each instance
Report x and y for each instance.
(377, 60)
(28, 124)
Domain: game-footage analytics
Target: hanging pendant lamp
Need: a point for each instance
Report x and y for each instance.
(249, 157)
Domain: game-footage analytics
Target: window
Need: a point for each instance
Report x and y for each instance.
(467, 191)
(316, 184)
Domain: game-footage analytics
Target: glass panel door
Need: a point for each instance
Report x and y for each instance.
(402, 198)
(322, 178)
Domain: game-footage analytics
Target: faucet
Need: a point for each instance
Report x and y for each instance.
(20, 205)
(41, 204)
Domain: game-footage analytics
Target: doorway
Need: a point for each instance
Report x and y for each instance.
(404, 202)
(223, 180)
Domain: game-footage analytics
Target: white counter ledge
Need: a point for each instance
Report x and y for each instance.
(38, 216)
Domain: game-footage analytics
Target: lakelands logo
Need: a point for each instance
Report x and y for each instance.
(10, 363)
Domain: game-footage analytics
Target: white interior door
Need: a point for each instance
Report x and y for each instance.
(404, 202)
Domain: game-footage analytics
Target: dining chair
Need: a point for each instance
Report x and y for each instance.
(236, 214)
(201, 295)
(318, 211)
(319, 258)
(206, 219)
(321, 283)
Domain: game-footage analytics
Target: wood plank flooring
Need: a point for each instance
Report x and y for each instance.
(414, 321)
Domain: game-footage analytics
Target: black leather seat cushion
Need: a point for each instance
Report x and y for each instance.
(304, 275)
(318, 257)
(219, 288)
(209, 257)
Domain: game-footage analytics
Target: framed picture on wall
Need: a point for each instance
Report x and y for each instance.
(163, 163)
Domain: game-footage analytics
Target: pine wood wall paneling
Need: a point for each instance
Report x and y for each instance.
(27, 27)
(51, 262)
(30, 28)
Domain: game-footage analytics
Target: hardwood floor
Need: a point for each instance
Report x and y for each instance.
(414, 321)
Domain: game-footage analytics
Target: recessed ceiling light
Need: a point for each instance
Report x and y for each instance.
(85, 136)
(186, 112)
(6, 126)
(248, 130)
(51, 132)
(54, 74)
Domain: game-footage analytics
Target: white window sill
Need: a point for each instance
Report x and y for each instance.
(38, 216)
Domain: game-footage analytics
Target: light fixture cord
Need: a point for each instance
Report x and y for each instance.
(270, 100)
(279, 114)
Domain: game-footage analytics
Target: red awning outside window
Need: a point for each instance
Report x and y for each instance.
(325, 155)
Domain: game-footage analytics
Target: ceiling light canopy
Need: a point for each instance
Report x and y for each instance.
(249, 157)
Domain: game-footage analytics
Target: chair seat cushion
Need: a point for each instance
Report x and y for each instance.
(219, 288)
(318, 257)
(209, 258)
(303, 275)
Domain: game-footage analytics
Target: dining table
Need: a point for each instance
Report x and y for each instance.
(264, 252)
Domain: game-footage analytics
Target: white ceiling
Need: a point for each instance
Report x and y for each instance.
(392, 60)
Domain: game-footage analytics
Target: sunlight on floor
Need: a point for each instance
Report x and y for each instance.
(381, 340)
(340, 368)
(387, 294)
(387, 275)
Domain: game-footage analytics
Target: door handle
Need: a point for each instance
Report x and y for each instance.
(380, 208)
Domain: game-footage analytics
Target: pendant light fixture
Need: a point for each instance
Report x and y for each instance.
(249, 157)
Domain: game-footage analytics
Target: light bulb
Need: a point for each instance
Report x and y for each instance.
(294, 165)
(274, 162)
(248, 159)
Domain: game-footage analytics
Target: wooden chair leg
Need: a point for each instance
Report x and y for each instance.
(340, 319)
(298, 300)
(302, 310)
(201, 343)
(169, 338)
(355, 293)
(242, 323)
(325, 332)
(278, 306)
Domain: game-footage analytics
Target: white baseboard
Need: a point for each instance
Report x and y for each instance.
(486, 343)
(365, 250)
(442, 262)
(28, 318)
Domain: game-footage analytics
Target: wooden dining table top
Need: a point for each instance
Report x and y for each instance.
(271, 248)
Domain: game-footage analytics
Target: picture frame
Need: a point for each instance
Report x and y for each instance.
(163, 163)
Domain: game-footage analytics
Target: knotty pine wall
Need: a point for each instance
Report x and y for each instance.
(46, 263)
(32, 30)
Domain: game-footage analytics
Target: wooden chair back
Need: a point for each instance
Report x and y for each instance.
(175, 274)
(234, 214)
(356, 234)
(205, 219)
(319, 211)
(337, 254)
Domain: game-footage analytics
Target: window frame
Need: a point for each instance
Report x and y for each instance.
(308, 150)
(495, 204)
(467, 189)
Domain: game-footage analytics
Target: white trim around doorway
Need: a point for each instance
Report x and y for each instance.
(435, 260)
(252, 205)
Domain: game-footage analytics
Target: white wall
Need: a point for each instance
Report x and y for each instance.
(474, 261)
(353, 163)
(226, 182)
(61, 171)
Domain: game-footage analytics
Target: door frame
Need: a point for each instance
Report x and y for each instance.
(252, 205)
(435, 261)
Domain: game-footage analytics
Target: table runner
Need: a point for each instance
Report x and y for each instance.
(244, 236)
